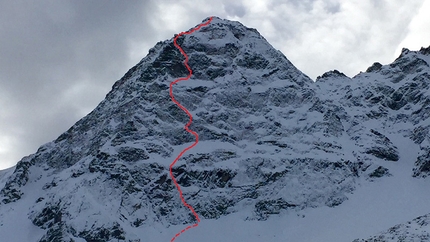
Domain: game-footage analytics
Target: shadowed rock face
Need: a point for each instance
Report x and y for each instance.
(422, 163)
(271, 139)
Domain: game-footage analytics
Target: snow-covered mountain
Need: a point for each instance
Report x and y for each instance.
(279, 158)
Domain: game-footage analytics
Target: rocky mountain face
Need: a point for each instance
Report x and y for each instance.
(271, 141)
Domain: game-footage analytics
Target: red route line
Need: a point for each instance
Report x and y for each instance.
(186, 126)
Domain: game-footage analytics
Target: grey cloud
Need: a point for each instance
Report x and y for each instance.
(49, 47)
(235, 8)
(333, 7)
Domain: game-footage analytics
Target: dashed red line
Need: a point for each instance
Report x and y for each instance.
(186, 126)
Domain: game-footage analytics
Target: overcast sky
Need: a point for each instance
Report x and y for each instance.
(58, 59)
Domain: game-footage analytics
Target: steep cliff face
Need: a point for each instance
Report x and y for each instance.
(271, 141)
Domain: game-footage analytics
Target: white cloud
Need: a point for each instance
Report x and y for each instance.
(318, 36)
(418, 30)
(173, 15)
(7, 143)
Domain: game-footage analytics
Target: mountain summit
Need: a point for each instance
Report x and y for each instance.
(273, 145)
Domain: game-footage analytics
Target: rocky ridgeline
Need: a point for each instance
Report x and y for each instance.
(271, 139)
(415, 230)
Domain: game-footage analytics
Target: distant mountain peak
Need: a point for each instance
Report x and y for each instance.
(331, 74)
(425, 51)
